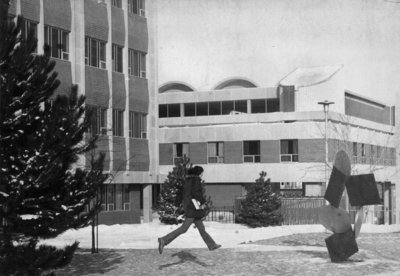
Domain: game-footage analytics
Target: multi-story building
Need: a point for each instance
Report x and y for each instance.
(105, 48)
(237, 130)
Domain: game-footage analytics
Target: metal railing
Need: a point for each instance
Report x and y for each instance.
(224, 214)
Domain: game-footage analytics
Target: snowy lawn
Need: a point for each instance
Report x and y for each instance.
(144, 236)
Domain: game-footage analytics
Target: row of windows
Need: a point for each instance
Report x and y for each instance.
(251, 151)
(95, 50)
(95, 55)
(134, 6)
(98, 126)
(372, 154)
(219, 108)
(115, 197)
(289, 152)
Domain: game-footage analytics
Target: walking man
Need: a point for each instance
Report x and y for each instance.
(192, 192)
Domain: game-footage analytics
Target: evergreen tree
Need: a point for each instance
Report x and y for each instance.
(261, 207)
(170, 201)
(42, 136)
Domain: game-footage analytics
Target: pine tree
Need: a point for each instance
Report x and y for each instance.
(261, 207)
(170, 201)
(42, 136)
(169, 205)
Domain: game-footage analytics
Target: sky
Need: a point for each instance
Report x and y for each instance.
(203, 43)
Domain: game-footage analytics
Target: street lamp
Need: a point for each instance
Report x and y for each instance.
(326, 104)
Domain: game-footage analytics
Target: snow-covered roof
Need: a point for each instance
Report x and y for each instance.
(308, 76)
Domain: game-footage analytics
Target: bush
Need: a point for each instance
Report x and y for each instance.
(170, 201)
(261, 207)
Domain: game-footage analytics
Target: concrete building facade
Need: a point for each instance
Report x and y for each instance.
(105, 48)
(238, 130)
(235, 130)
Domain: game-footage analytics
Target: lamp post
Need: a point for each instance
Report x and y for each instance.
(326, 104)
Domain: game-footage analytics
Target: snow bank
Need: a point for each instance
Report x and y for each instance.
(144, 236)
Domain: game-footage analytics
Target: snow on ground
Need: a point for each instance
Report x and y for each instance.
(144, 236)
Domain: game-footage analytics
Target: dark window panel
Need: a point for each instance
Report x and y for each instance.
(241, 106)
(227, 107)
(214, 108)
(174, 110)
(272, 105)
(162, 111)
(189, 109)
(258, 106)
(201, 109)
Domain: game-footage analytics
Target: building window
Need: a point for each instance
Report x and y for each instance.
(108, 197)
(363, 154)
(116, 58)
(214, 108)
(95, 53)
(227, 107)
(137, 63)
(169, 110)
(215, 152)
(116, 3)
(232, 107)
(118, 122)
(137, 125)
(180, 150)
(272, 105)
(98, 121)
(126, 199)
(189, 109)
(355, 152)
(28, 27)
(58, 41)
(289, 151)
(251, 151)
(137, 7)
(241, 106)
(258, 106)
(202, 109)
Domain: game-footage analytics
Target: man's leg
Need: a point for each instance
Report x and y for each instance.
(174, 234)
(206, 237)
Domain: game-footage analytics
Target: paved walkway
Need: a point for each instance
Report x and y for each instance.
(300, 254)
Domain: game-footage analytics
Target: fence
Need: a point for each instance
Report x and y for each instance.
(225, 214)
(303, 211)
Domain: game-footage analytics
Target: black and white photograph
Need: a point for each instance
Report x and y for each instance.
(199, 137)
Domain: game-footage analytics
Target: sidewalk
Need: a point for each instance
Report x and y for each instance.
(300, 254)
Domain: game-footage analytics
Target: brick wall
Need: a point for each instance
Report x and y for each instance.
(138, 33)
(30, 9)
(138, 94)
(96, 20)
(270, 151)
(223, 195)
(63, 68)
(198, 153)
(119, 154)
(102, 146)
(118, 26)
(57, 13)
(96, 86)
(165, 154)
(139, 159)
(119, 94)
(233, 152)
(311, 150)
